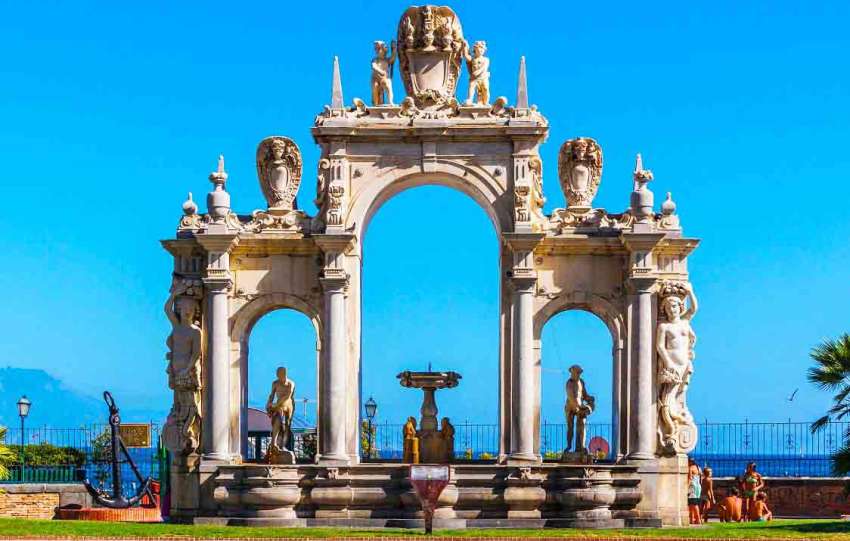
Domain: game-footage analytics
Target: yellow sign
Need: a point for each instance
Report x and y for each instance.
(135, 434)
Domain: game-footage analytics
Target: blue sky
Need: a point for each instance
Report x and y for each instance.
(111, 112)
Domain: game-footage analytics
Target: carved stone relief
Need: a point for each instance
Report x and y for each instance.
(279, 171)
(580, 171)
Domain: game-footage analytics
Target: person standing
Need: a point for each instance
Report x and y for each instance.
(707, 500)
(694, 492)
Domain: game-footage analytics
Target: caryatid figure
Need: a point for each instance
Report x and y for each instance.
(675, 341)
(579, 405)
(184, 372)
(382, 73)
(280, 408)
(479, 73)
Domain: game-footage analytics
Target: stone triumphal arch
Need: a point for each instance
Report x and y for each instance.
(627, 268)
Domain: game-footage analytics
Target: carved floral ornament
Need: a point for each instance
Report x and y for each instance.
(580, 171)
(430, 40)
(279, 170)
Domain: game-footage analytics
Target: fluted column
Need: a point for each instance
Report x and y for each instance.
(336, 372)
(643, 415)
(525, 409)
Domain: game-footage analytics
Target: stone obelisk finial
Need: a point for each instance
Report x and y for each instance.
(522, 86)
(337, 101)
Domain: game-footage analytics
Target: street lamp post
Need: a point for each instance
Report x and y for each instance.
(23, 410)
(371, 408)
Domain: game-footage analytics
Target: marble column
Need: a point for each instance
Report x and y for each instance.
(218, 376)
(525, 409)
(336, 373)
(643, 415)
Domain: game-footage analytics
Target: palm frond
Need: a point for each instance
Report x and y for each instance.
(841, 461)
(819, 424)
(832, 368)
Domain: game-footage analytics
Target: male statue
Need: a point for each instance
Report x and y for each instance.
(479, 73)
(579, 405)
(280, 408)
(382, 74)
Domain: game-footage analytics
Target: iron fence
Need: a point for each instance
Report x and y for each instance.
(475, 441)
(64, 455)
(787, 449)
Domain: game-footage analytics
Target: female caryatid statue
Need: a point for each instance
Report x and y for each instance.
(675, 341)
(279, 171)
(183, 426)
(580, 170)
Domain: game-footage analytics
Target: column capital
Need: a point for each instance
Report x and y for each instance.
(335, 242)
(217, 281)
(523, 280)
(334, 280)
(642, 284)
(218, 242)
(644, 242)
(522, 242)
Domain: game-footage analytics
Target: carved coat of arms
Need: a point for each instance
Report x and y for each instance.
(580, 170)
(430, 42)
(279, 170)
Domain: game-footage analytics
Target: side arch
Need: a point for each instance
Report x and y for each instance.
(242, 322)
(613, 317)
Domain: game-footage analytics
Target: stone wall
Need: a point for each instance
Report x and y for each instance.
(38, 500)
(811, 497)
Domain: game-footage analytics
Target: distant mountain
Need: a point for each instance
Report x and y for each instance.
(56, 405)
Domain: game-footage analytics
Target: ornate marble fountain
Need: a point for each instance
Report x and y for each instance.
(433, 445)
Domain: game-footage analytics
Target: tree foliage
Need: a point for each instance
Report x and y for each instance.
(831, 373)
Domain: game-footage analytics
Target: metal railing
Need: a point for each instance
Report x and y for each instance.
(787, 449)
(67, 455)
(477, 441)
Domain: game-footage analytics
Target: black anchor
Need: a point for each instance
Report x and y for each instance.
(118, 501)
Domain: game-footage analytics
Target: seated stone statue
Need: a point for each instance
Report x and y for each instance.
(410, 453)
(447, 432)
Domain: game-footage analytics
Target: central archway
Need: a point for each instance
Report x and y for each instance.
(419, 310)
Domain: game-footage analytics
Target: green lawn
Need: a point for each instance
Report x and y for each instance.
(779, 529)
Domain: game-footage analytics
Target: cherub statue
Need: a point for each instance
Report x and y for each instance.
(382, 73)
(280, 408)
(184, 365)
(579, 405)
(479, 72)
(675, 341)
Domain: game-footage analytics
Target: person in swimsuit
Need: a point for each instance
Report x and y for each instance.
(707, 493)
(752, 484)
(729, 508)
(694, 491)
(759, 511)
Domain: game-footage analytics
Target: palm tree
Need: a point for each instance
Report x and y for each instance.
(7, 456)
(832, 373)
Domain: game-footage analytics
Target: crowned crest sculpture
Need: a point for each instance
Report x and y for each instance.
(279, 171)
(431, 44)
(580, 170)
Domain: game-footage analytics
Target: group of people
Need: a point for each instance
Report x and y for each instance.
(746, 500)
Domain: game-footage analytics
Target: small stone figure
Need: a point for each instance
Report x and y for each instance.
(479, 72)
(411, 442)
(447, 432)
(579, 405)
(382, 74)
(280, 408)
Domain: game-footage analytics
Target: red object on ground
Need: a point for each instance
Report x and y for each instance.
(428, 483)
(598, 443)
(147, 511)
